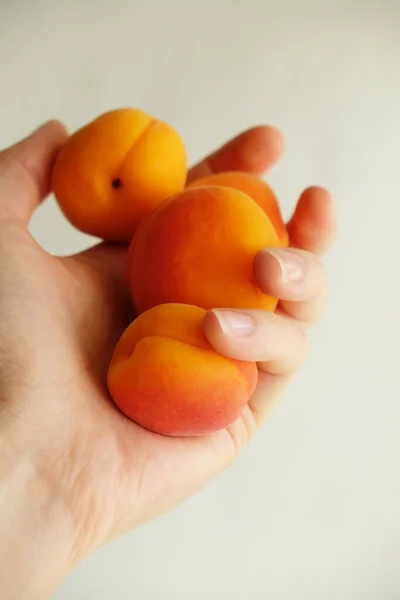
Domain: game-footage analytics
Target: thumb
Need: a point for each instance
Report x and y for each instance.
(25, 171)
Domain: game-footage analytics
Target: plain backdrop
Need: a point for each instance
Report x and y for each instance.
(311, 510)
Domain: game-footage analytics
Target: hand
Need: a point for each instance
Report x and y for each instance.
(74, 472)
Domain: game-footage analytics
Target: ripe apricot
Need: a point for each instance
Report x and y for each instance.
(165, 376)
(115, 170)
(198, 247)
(257, 189)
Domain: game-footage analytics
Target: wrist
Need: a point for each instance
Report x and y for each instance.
(36, 549)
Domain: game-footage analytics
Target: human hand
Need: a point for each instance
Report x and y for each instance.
(74, 471)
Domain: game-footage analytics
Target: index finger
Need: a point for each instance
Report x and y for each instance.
(253, 151)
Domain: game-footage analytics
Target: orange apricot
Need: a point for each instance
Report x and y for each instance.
(115, 170)
(257, 189)
(198, 247)
(166, 377)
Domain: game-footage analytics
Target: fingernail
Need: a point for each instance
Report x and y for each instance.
(293, 266)
(234, 322)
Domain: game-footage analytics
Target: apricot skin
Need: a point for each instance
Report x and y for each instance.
(165, 376)
(257, 189)
(198, 248)
(114, 171)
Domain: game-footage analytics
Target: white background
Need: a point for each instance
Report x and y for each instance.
(312, 508)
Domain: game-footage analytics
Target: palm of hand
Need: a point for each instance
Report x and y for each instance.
(104, 466)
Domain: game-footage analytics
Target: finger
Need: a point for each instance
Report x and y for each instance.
(25, 171)
(313, 226)
(278, 344)
(253, 151)
(295, 276)
(268, 392)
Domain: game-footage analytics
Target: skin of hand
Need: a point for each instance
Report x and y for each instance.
(74, 472)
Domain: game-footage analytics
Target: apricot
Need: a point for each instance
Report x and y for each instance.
(198, 247)
(257, 189)
(115, 170)
(165, 376)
